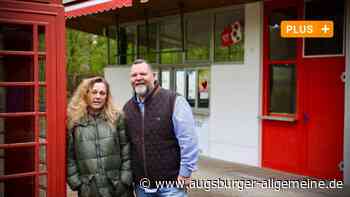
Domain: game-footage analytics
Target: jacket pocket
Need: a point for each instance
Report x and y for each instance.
(88, 188)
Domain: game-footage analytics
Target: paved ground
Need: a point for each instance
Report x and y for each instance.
(216, 178)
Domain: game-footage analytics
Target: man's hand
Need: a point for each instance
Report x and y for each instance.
(186, 180)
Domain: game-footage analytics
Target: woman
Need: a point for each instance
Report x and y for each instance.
(98, 147)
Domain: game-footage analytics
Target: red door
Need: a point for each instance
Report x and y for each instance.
(303, 112)
(32, 130)
(324, 116)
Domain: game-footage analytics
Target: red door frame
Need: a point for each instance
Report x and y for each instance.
(292, 167)
(51, 15)
(298, 153)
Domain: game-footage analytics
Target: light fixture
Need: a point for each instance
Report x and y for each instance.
(144, 1)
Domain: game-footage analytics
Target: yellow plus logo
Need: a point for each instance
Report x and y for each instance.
(325, 29)
(307, 29)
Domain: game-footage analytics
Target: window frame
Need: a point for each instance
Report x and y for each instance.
(172, 69)
(235, 8)
(158, 20)
(293, 67)
(327, 55)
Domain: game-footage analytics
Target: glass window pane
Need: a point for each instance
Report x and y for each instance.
(42, 99)
(314, 10)
(130, 59)
(42, 128)
(191, 87)
(171, 58)
(180, 82)
(42, 156)
(41, 37)
(42, 66)
(112, 39)
(16, 130)
(17, 160)
(16, 69)
(16, 37)
(203, 88)
(127, 43)
(281, 48)
(42, 193)
(16, 99)
(42, 185)
(23, 186)
(282, 88)
(197, 37)
(165, 79)
(170, 35)
(147, 42)
(229, 36)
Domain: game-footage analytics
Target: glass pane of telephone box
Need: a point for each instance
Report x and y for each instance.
(16, 37)
(42, 158)
(16, 130)
(42, 68)
(16, 99)
(18, 187)
(42, 128)
(17, 160)
(41, 37)
(42, 99)
(16, 68)
(43, 186)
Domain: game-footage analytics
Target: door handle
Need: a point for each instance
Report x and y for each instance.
(306, 117)
(343, 77)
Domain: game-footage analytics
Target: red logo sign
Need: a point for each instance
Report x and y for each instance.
(232, 34)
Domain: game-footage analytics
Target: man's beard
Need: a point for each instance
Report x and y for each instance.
(141, 90)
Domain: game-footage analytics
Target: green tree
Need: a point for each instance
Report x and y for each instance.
(86, 56)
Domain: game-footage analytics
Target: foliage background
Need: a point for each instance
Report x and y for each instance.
(86, 56)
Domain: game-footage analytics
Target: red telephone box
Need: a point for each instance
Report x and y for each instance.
(32, 98)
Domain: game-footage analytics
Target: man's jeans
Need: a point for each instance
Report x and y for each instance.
(161, 192)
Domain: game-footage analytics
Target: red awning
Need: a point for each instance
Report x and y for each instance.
(94, 6)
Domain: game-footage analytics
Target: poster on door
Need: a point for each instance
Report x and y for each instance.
(203, 83)
(232, 34)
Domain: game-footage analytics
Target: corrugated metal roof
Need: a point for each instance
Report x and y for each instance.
(93, 6)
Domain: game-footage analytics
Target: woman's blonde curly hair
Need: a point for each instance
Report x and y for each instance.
(78, 105)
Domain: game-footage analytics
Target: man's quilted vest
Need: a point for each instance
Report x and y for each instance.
(154, 147)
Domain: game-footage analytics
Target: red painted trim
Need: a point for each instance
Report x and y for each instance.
(28, 53)
(20, 175)
(99, 8)
(27, 7)
(21, 114)
(36, 106)
(16, 84)
(20, 145)
(61, 90)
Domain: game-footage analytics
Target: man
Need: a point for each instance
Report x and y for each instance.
(164, 146)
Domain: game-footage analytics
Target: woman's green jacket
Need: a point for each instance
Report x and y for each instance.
(98, 158)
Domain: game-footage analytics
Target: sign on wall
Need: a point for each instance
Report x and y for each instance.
(231, 35)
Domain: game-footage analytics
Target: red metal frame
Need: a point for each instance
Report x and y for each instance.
(51, 16)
